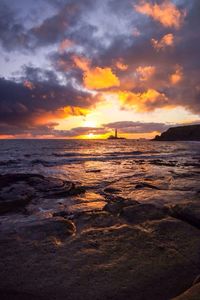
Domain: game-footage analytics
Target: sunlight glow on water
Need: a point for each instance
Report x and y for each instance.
(123, 164)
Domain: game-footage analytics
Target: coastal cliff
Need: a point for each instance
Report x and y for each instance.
(181, 133)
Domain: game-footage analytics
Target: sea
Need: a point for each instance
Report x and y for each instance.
(147, 171)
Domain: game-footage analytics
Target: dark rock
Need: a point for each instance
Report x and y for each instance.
(197, 280)
(15, 295)
(17, 190)
(111, 190)
(99, 219)
(146, 185)
(160, 162)
(15, 197)
(156, 260)
(191, 294)
(142, 212)
(9, 179)
(93, 171)
(116, 205)
(181, 133)
(187, 212)
(46, 228)
(62, 214)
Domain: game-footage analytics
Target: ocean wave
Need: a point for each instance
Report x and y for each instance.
(131, 152)
(76, 160)
(9, 162)
(116, 153)
(71, 154)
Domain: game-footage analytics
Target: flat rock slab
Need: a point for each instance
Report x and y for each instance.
(43, 229)
(142, 212)
(163, 197)
(155, 260)
(116, 205)
(98, 219)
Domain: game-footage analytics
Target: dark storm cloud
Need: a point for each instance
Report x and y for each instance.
(27, 129)
(66, 22)
(63, 62)
(37, 93)
(53, 29)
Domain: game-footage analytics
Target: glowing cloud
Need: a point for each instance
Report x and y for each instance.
(29, 85)
(166, 41)
(100, 78)
(145, 72)
(75, 111)
(177, 76)
(166, 13)
(82, 63)
(147, 101)
(121, 66)
(96, 77)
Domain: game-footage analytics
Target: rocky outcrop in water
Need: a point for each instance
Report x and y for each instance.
(181, 133)
(18, 190)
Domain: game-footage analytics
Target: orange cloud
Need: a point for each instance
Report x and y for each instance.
(75, 111)
(29, 85)
(166, 41)
(82, 63)
(65, 44)
(145, 72)
(177, 76)
(56, 116)
(166, 13)
(121, 66)
(96, 77)
(100, 78)
(147, 101)
(127, 82)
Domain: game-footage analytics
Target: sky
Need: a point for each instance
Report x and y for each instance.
(82, 68)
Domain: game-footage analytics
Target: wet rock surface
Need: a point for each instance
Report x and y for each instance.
(63, 242)
(191, 294)
(17, 190)
(42, 229)
(142, 212)
(188, 212)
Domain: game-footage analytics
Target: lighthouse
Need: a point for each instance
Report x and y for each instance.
(115, 137)
(116, 133)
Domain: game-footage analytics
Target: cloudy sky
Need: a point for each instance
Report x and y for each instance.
(81, 68)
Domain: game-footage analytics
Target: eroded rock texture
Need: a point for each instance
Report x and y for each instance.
(118, 249)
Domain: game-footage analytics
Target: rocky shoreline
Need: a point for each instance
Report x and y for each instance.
(58, 242)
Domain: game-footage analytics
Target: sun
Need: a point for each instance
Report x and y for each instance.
(90, 135)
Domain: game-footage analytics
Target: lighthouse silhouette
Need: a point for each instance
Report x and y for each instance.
(116, 133)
